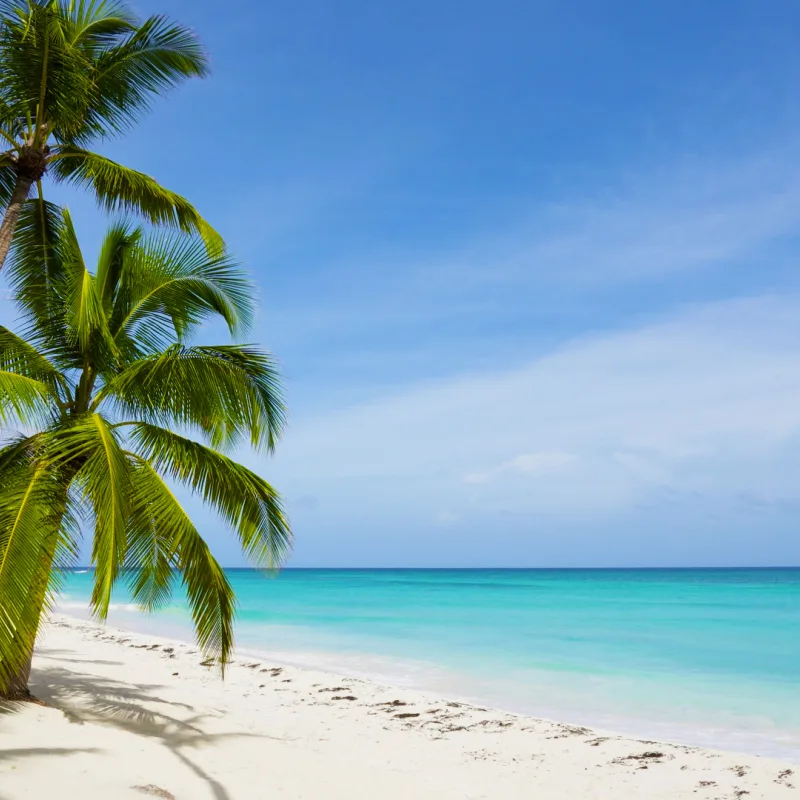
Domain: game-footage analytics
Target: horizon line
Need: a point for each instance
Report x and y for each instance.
(469, 569)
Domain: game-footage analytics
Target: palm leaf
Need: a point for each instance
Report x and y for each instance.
(86, 321)
(150, 60)
(105, 482)
(37, 536)
(242, 498)
(22, 358)
(33, 269)
(119, 188)
(120, 238)
(25, 400)
(43, 284)
(43, 77)
(169, 286)
(22, 513)
(164, 535)
(150, 554)
(96, 25)
(173, 388)
(8, 179)
(18, 449)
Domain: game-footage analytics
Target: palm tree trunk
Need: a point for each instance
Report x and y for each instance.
(17, 688)
(11, 217)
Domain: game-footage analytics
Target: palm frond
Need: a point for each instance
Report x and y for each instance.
(37, 533)
(153, 58)
(169, 286)
(165, 535)
(25, 400)
(243, 499)
(86, 315)
(118, 188)
(96, 25)
(87, 324)
(150, 554)
(8, 179)
(18, 449)
(119, 240)
(43, 77)
(33, 268)
(22, 358)
(175, 387)
(105, 481)
(22, 513)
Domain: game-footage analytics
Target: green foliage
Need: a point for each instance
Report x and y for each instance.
(87, 69)
(77, 72)
(119, 188)
(164, 387)
(98, 376)
(38, 532)
(152, 553)
(244, 501)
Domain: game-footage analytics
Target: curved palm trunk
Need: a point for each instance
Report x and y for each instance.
(17, 689)
(11, 217)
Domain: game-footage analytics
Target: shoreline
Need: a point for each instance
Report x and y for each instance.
(140, 714)
(443, 682)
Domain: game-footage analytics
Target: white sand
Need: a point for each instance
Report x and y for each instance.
(131, 716)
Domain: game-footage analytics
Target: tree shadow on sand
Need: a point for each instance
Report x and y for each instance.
(28, 752)
(13, 754)
(69, 655)
(92, 698)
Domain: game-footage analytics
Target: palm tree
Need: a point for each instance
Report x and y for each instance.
(116, 406)
(72, 73)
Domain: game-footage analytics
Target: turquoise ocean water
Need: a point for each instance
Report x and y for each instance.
(707, 657)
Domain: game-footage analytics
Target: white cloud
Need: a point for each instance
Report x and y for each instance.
(524, 464)
(687, 215)
(707, 401)
(611, 232)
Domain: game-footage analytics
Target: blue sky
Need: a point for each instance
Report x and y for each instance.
(531, 270)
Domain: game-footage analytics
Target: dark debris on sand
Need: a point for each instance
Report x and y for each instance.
(155, 791)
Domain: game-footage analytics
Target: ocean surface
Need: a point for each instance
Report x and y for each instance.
(702, 656)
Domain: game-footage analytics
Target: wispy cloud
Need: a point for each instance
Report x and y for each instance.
(706, 401)
(524, 464)
(657, 221)
(564, 260)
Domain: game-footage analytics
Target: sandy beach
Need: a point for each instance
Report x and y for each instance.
(130, 716)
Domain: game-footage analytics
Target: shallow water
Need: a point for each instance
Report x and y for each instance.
(707, 657)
